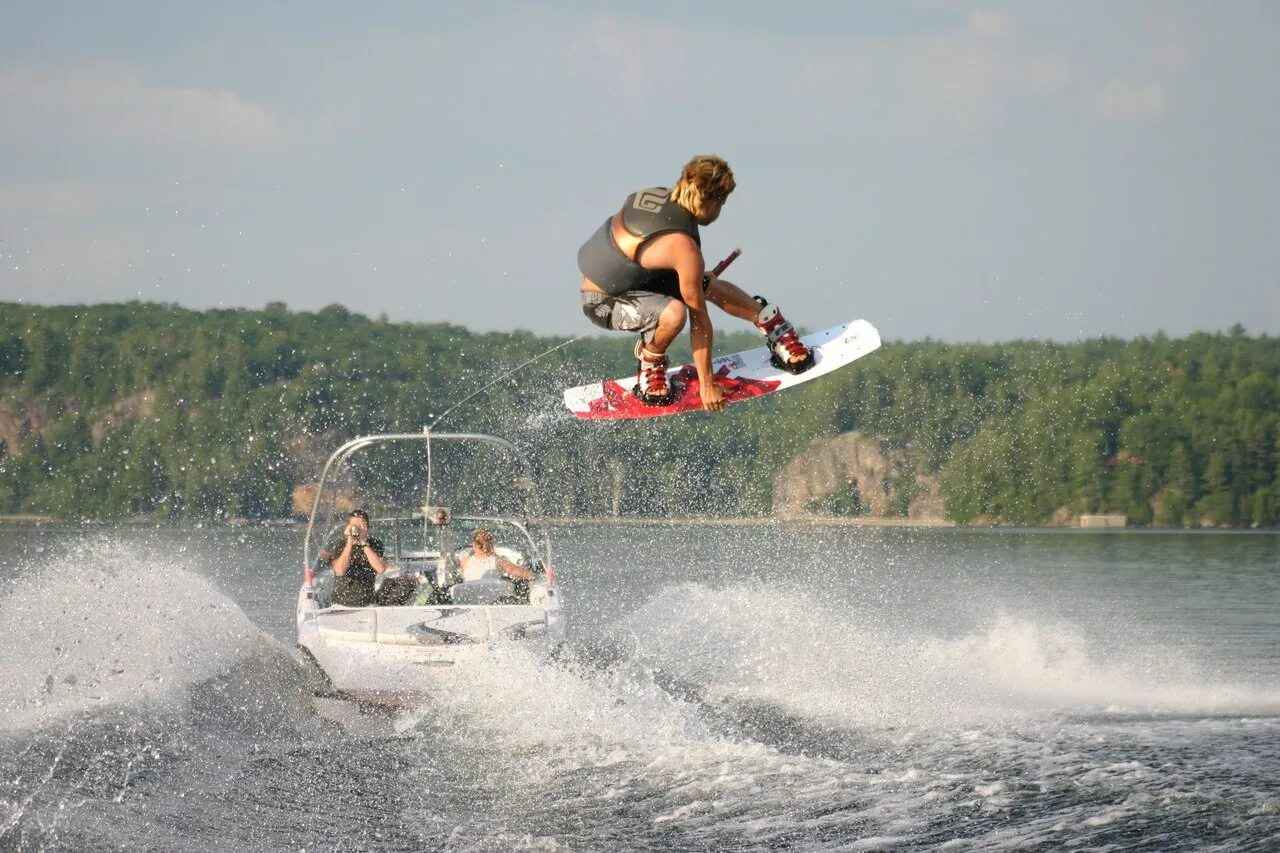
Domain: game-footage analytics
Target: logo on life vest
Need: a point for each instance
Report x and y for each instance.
(650, 201)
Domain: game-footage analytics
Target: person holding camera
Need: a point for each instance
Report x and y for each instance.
(357, 561)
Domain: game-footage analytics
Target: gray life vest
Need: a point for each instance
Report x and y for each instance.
(645, 214)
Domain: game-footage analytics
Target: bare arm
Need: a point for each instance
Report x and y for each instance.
(680, 253)
(510, 568)
(342, 561)
(376, 562)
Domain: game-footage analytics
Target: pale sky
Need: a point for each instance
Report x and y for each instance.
(954, 170)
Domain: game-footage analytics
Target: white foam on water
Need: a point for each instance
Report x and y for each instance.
(586, 739)
(856, 669)
(888, 735)
(110, 623)
(1038, 666)
(518, 753)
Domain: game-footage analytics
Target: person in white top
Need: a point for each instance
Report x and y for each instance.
(482, 563)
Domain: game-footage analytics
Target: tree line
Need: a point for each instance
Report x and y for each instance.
(156, 410)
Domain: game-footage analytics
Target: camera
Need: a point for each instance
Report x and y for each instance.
(355, 531)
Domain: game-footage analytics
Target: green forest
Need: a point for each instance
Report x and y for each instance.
(126, 410)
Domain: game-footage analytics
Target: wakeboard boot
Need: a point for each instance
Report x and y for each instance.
(786, 351)
(652, 386)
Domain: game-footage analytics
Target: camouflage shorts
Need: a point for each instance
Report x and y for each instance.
(632, 311)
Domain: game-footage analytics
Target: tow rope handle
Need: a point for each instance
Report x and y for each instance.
(724, 265)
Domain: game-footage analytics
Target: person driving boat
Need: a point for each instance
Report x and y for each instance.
(482, 563)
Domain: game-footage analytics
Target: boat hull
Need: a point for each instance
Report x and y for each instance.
(398, 655)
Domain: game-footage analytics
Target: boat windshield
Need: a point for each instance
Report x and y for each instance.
(413, 538)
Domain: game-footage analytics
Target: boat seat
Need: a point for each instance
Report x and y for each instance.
(483, 591)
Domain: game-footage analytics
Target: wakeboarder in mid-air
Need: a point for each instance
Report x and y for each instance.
(643, 271)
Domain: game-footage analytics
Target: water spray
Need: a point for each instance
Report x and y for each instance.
(715, 271)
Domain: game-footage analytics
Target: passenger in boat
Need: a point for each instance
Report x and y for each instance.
(439, 534)
(483, 563)
(357, 560)
(643, 271)
(445, 562)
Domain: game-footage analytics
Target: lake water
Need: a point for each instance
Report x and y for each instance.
(724, 688)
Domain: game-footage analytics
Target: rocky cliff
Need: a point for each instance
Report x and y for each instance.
(21, 420)
(852, 475)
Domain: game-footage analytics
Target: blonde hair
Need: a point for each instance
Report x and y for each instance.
(483, 539)
(705, 178)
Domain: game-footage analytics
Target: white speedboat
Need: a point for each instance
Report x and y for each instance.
(392, 653)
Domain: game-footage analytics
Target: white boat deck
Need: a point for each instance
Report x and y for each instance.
(419, 626)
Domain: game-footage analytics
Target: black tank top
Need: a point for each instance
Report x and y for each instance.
(645, 214)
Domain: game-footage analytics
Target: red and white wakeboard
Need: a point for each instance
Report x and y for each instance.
(741, 376)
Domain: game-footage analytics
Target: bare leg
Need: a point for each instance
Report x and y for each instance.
(670, 322)
(733, 300)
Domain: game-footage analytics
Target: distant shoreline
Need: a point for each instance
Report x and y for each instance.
(755, 521)
(684, 521)
(564, 521)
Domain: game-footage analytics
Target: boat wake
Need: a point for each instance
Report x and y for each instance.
(707, 704)
(107, 625)
(132, 682)
(149, 712)
(859, 670)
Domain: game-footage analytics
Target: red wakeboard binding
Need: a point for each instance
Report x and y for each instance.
(785, 347)
(652, 387)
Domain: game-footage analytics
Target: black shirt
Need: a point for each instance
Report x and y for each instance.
(355, 588)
